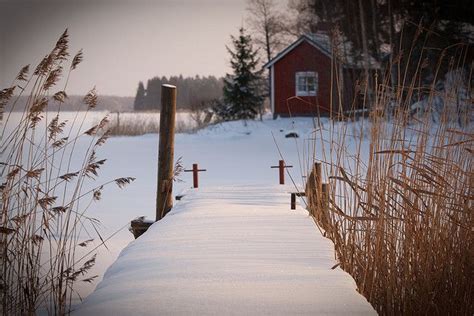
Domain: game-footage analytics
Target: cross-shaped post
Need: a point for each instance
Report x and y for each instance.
(281, 166)
(195, 172)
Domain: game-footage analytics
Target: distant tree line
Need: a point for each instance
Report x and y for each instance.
(192, 92)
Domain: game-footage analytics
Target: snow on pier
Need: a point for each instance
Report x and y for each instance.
(228, 250)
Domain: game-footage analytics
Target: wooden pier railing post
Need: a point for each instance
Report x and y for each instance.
(195, 172)
(281, 166)
(318, 178)
(195, 175)
(293, 199)
(319, 187)
(314, 189)
(164, 195)
(325, 196)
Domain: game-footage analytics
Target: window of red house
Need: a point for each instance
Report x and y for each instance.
(306, 83)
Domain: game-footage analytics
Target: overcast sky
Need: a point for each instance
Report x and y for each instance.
(123, 41)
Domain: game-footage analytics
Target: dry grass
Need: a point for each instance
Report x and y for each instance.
(135, 124)
(401, 215)
(45, 193)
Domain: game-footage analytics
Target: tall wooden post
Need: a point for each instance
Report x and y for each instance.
(164, 195)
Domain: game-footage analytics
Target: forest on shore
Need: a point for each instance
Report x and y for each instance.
(193, 91)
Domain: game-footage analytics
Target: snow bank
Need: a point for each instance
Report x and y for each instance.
(228, 250)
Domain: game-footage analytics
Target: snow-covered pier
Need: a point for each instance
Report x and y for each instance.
(228, 250)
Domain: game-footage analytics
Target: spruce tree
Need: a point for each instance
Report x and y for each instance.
(139, 104)
(242, 88)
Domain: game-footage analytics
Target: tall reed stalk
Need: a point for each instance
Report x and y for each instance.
(45, 191)
(401, 213)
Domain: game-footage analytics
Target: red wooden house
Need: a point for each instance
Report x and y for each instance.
(301, 76)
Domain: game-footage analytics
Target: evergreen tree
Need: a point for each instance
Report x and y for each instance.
(139, 104)
(242, 89)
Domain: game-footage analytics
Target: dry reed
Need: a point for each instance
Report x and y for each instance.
(44, 193)
(401, 214)
(136, 124)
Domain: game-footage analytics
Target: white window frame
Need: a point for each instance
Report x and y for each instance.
(304, 90)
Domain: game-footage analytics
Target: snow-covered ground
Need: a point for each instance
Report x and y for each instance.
(229, 250)
(234, 153)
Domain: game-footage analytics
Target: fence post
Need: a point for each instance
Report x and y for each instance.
(164, 195)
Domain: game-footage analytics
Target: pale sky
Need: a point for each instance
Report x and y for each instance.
(123, 41)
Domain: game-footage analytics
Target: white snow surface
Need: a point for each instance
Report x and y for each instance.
(228, 250)
(234, 154)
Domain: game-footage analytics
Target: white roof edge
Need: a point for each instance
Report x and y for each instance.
(302, 38)
(292, 46)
